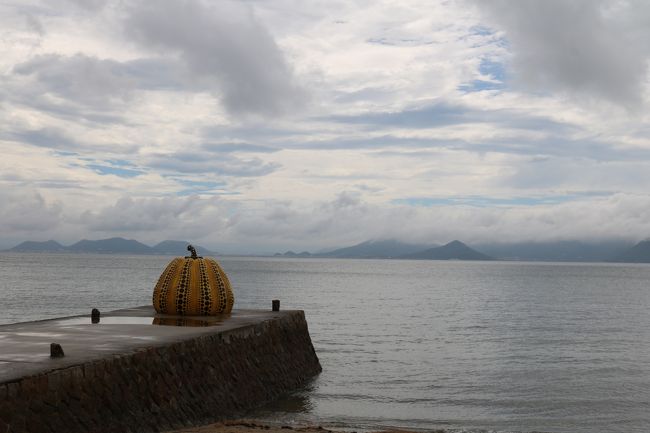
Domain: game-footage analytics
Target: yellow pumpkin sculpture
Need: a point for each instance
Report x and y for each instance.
(193, 286)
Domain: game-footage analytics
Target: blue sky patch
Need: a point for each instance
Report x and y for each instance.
(120, 163)
(116, 171)
(495, 70)
(481, 31)
(497, 77)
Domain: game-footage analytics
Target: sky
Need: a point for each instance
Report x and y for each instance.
(262, 126)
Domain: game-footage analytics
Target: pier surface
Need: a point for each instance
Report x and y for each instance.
(139, 371)
(25, 347)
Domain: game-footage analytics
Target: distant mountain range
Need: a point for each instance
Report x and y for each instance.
(563, 251)
(455, 250)
(110, 246)
(39, 247)
(392, 249)
(384, 249)
(640, 253)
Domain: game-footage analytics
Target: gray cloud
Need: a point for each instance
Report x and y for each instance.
(89, 5)
(92, 82)
(200, 47)
(224, 47)
(13, 179)
(237, 147)
(222, 164)
(80, 79)
(444, 114)
(144, 214)
(390, 145)
(51, 138)
(342, 219)
(34, 24)
(586, 47)
(24, 211)
(553, 173)
(553, 137)
(60, 140)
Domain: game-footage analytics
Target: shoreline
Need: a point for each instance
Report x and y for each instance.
(253, 426)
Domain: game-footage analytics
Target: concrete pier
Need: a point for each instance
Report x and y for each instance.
(136, 371)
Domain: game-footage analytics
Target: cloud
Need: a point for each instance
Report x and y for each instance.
(52, 138)
(552, 173)
(225, 49)
(58, 139)
(142, 215)
(90, 82)
(220, 164)
(89, 5)
(584, 47)
(238, 147)
(80, 78)
(272, 225)
(34, 24)
(24, 212)
(348, 218)
(443, 113)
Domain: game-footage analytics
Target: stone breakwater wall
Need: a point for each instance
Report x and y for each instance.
(195, 381)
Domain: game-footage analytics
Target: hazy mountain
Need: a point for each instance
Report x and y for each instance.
(454, 250)
(179, 248)
(640, 253)
(111, 245)
(34, 247)
(562, 251)
(384, 249)
(619, 251)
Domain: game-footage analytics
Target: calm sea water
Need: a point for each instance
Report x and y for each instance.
(464, 346)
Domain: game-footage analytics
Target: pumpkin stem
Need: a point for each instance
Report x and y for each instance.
(191, 249)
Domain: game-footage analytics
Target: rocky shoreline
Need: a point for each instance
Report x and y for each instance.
(251, 426)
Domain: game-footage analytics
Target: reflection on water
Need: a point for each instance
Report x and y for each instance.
(189, 321)
(147, 320)
(104, 320)
(298, 402)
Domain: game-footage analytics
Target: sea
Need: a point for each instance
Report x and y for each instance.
(423, 345)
